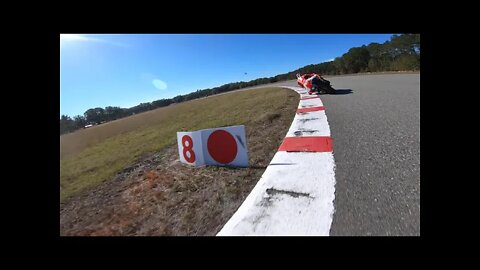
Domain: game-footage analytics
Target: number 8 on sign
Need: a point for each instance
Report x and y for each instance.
(187, 144)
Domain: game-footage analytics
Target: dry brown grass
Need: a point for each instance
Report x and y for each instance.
(158, 195)
(92, 156)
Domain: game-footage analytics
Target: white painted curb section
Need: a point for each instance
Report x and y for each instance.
(295, 194)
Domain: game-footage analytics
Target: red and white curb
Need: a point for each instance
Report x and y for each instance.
(295, 194)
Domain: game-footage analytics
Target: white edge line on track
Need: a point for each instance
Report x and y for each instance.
(295, 194)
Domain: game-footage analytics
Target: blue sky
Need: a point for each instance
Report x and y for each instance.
(127, 69)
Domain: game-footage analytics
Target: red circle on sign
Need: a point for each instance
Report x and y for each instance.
(222, 146)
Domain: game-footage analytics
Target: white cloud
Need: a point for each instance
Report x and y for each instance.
(159, 84)
(330, 60)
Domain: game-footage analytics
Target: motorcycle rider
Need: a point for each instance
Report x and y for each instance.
(306, 77)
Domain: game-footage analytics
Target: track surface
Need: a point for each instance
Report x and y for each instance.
(375, 126)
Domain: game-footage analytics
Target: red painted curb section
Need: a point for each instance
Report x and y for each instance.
(312, 109)
(305, 98)
(307, 144)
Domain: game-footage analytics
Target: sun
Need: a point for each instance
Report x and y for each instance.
(71, 37)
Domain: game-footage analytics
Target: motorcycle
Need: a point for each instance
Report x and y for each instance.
(315, 83)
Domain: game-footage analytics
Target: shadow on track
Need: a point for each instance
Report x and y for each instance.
(342, 92)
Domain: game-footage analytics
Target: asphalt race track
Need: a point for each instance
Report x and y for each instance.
(375, 126)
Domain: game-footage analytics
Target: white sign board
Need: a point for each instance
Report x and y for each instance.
(190, 148)
(215, 146)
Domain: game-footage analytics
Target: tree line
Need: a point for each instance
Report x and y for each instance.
(400, 53)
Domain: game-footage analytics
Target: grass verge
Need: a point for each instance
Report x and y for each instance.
(93, 156)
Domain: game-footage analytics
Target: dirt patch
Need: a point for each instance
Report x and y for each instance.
(158, 195)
